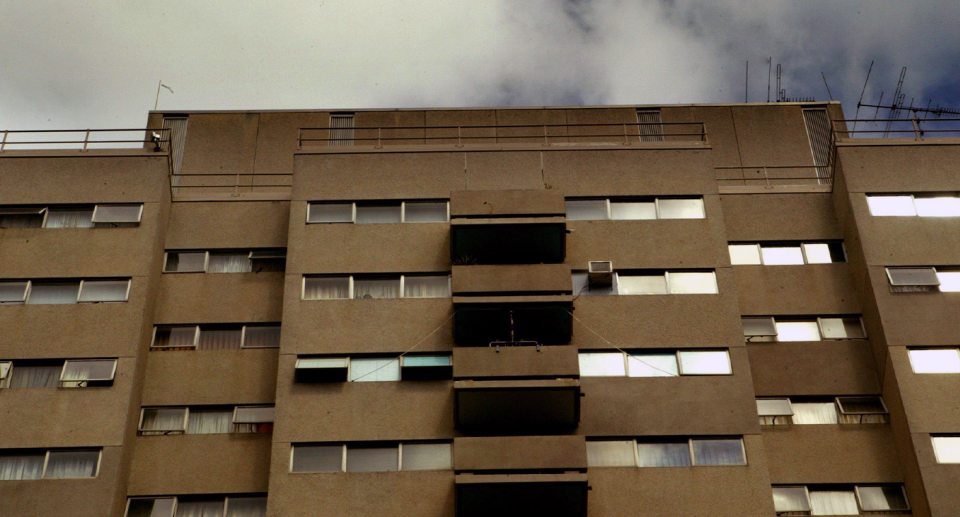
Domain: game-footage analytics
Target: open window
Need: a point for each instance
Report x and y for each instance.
(425, 367)
(99, 291)
(162, 421)
(5, 367)
(151, 507)
(946, 448)
(321, 369)
(83, 373)
(183, 337)
(22, 217)
(185, 262)
(69, 217)
(916, 279)
(791, 500)
(253, 419)
(14, 292)
(775, 411)
(53, 292)
(882, 498)
(117, 215)
(263, 261)
(261, 336)
(862, 410)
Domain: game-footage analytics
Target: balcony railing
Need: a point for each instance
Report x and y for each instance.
(157, 139)
(624, 134)
(776, 177)
(913, 128)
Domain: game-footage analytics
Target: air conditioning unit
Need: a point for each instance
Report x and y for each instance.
(600, 273)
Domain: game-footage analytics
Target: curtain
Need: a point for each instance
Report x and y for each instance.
(810, 413)
(35, 376)
(72, 464)
(261, 337)
(790, 499)
(104, 291)
(378, 214)
(229, 263)
(246, 507)
(652, 365)
(69, 218)
(376, 288)
(718, 452)
(175, 337)
(210, 421)
(219, 339)
(833, 502)
(162, 419)
(87, 370)
(610, 453)
(375, 369)
(329, 288)
(882, 498)
(426, 287)
(429, 212)
(61, 293)
(380, 459)
(664, 454)
(21, 466)
(208, 508)
(427, 456)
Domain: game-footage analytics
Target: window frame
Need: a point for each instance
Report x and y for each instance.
(725, 351)
(93, 218)
(903, 492)
(788, 319)
(46, 461)
(344, 451)
(626, 355)
(665, 274)
(26, 292)
(206, 262)
(913, 201)
(936, 453)
(351, 287)
(806, 491)
(236, 409)
(196, 337)
(161, 432)
(823, 335)
(641, 199)
(840, 410)
(743, 450)
(353, 210)
(173, 511)
(803, 252)
(243, 336)
(111, 379)
(126, 297)
(776, 416)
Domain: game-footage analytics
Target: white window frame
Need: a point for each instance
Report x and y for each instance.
(126, 297)
(243, 336)
(93, 218)
(856, 490)
(806, 491)
(196, 336)
(113, 373)
(840, 410)
(160, 432)
(693, 457)
(823, 336)
(26, 292)
(353, 211)
(352, 294)
(775, 417)
(206, 262)
(46, 462)
(254, 406)
(26, 300)
(173, 512)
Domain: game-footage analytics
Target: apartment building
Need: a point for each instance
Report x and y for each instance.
(663, 311)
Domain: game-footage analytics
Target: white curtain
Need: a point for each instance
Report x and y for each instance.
(72, 464)
(70, 218)
(210, 421)
(104, 291)
(261, 337)
(61, 293)
(326, 288)
(367, 288)
(618, 453)
(200, 508)
(219, 339)
(375, 369)
(246, 507)
(21, 466)
(718, 452)
(426, 287)
(229, 263)
(833, 502)
(35, 376)
(810, 413)
(664, 454)
(162, 419)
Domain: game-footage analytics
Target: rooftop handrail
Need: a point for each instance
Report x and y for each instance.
(159, 137)
(893, 127)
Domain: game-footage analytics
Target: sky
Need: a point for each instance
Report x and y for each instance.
(96, 63)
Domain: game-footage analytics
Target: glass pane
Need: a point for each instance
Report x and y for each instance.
(207, 508)
(426, 360)
(692, 283)
(891, 205)
(426, 286)
(330, 213)
(30, 376)
(947, 448)
(210, 421)
(664, 454)
(376, 288)
(818, 253)
(253, 415)
(378, 214)
(230, 263)
(378, 459)
(317, 458)
(652, 364)
(69, 218)
(945, 360)
(718, 452)
(261, 337)
(842, 328)
(321, 362)
(104, 290)
(758, 327)
(174, 337)
(117, 214)
(162, 507)
(246, 507)
(781, 256)
(744, 254)
(602, 364)
(375, 369)
(326, 288)
(430, 212)
(586, 209)
(72, 464)
(427, 456)
(949, 281)
(163, 419)
(790, 499)
(53, 293)
(633, 210)
(912, 276)
(89, 370)
(641, 284)
(13, 292)
(219, 339)
(681, 208)
(774, 407)
(815, 413)
(14, 466)
(882, 498)
(833, 502)
(938, 206)
(611, 454)
(798, 331)
(185, 262)
(861, 405)
(704, 363)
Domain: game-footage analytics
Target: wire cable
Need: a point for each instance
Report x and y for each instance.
(630, 356)
(407, 351)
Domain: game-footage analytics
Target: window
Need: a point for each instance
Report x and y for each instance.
(240, 261)
(376, 457)
(97, 291)
(935, 360)
(71, 373)
(923, 205)
(774, 411)
(151, 507)
(14, 292)
(379, 212)
(946, 448)
(205, 420)
(50, 464)
(665, 453)
(80, 373)
(670, 282)
(425, 367)
(253, 419)
(882, 498)
(376, 369)
(373, 369)
(822, 411)
(769, 329)
(63, 292)
(789, 253)
(215, 337)
(375, 287)
(197, 506)
(321, 369)
(791, 499)
(634, 209)
(46, 292)
(650, 125)
(839, 499)
(923, 279)
(21, 217)
(117, 215)
(68, 216)
(655, 363)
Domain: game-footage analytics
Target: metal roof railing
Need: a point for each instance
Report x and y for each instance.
(34, 139)
(915, 128)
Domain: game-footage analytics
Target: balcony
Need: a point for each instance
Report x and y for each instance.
(521, 495)
(489, 320)
(517, 407)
